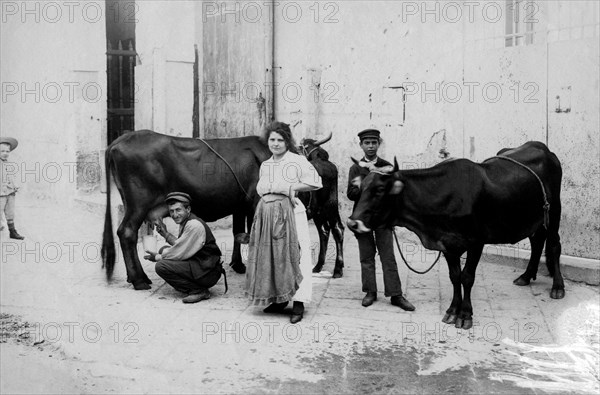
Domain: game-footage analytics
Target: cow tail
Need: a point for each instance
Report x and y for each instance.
(108, 241)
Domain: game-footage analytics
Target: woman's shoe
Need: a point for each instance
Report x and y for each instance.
(297, 312)
(275, 307)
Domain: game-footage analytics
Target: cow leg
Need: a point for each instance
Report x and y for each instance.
(467, 278)
(454, 270)
(337, 230)
(553, 251)
(239, 223)
(537, 245)
(323, 230)
(128, 235)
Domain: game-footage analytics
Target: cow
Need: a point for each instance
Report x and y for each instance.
(459, 206)
(322, 204)
(219, 174)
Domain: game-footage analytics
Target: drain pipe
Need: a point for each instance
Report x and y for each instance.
(271, 63)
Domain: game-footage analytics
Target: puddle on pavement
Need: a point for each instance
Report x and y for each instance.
(573, 364)
(383, 364)
(464, 367)
(388, 369)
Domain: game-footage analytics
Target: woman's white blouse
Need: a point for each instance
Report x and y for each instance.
(278, 176)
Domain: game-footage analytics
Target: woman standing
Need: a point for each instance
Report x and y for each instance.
(279, 256)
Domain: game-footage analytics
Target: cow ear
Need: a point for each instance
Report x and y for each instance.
(396, 168)
(355, 161)
(397, 187)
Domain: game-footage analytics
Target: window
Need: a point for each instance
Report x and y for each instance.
(520, 19)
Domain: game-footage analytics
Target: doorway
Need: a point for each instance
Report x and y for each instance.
(120, 66)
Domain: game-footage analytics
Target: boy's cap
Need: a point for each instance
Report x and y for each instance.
(369, 133)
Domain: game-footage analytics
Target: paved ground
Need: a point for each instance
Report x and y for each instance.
(65, 330)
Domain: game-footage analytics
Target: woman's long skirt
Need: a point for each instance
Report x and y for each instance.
(304, 293)
(273, 274)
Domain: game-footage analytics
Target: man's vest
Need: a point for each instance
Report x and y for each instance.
(206, 263)
(210, 248)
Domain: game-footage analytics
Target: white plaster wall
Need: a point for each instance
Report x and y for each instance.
(575, 138)
(361, 57)
(371, 46)
(57, 53)
(509, 104)
(563, 61)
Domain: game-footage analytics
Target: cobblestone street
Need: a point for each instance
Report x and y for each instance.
(71, 332)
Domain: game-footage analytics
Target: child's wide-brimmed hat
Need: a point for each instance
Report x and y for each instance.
(10, 141)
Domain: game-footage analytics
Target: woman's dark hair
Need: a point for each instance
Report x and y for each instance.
(284, 130)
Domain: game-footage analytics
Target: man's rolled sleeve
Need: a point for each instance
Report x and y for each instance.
(189, 243)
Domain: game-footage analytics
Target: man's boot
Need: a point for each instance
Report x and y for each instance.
(13, 232)
(401, 302)
(369, 298)
(197, 296)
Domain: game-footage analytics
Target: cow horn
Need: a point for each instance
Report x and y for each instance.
(323, 141)
(383, 169)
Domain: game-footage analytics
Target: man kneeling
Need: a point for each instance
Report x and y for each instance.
(192, 262)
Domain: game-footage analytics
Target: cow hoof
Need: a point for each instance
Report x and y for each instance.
(557, 293)
(521, 281)
(140, 285)
(338, 273)
(449, 318)
(317, 269)
(464, 323)
(239, 267)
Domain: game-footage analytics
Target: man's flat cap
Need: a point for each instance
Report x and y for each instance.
(369, 133)
(10, 141)
(178, 197)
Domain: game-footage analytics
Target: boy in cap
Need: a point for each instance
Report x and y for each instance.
(192, 262)
(378, 239)
(8, 188)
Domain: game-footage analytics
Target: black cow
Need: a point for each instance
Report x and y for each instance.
(322, 204)
(459, 206)
(147, 166)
